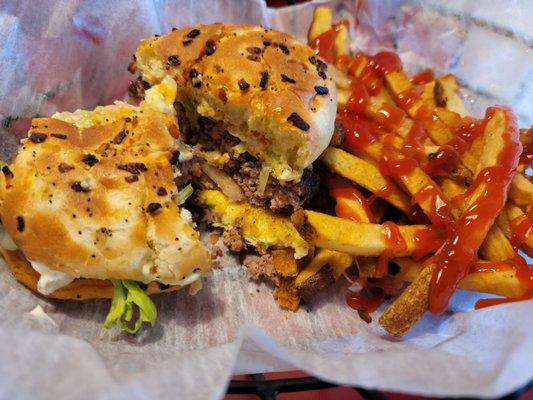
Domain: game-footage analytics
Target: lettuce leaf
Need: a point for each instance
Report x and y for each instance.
(126, 295)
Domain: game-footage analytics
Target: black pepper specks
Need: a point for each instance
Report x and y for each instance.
(90, 160)
(161, 191)
(64, 167)
(195, 77)
(38, 137)
(243, 85)
(163, 286)
(21, 225)
(298, 122)
(7, 172)
(186, 42)
(133, 168)
(264, 80)
(58, 136)
(322, 74)
(210, 47)
(266, 43)
(153, 207)
(321, 90)
(120, 137)
(192, 34)
(284, 49)
(174, 60)
(80, 187)
(285, 78)
(131, 178)
(253, 50)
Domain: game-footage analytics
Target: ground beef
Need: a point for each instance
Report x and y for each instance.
(316, 283)
(261, 268)
(278, 196)
(136, 89)
(233, 239)
(188, 170)
(245, 169)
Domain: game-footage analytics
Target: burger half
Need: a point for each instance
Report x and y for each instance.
(89, 208)
(255, 108)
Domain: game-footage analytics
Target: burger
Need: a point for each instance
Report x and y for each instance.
(255, 109)
(89, 208)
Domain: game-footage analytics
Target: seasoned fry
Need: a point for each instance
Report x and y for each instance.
(355, 238)
(491, 278)
(341, 46)
(338, 261)
(406, 309)
(322, 21)
(366, 175)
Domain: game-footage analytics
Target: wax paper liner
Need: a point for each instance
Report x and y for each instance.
(63, 55)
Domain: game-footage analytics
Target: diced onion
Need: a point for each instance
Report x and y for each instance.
(5, 240)
(224, 182)
(184, 194)
(263, 180)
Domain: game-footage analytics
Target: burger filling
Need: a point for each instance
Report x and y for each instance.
(207, 142)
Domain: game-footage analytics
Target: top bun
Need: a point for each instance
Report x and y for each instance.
(91, 194)
(269, 90)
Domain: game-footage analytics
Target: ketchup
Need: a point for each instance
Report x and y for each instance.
(423, 77)
(413, 144)
(343, 210)
(442, 162)
(409, 97)
(367, 303)
(427, 241)
(439, 210)
(395, 243)
(323, 43)
(460, 250)
(524, 274)
(521, 229)
(390, 116)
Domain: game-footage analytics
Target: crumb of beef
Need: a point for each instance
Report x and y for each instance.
(216, 252)
(261, 268)
(137, 88)
(188, 169)
(233, 239)
(316, 283)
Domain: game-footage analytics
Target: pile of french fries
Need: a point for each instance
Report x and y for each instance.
(431, 205)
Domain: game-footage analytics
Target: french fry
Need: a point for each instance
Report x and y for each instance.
(496, 246)
(355, 238)
(503, 221)
(521, 192)
(502, 282)
(446, 94)
(338, 261)
(403, 313)
(341, 46)
(322, 21)
(366, 175)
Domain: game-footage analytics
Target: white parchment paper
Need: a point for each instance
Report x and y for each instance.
(63, 55)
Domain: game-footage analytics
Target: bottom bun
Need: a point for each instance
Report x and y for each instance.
(79, 289)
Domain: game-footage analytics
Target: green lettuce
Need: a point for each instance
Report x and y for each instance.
(126, 295)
